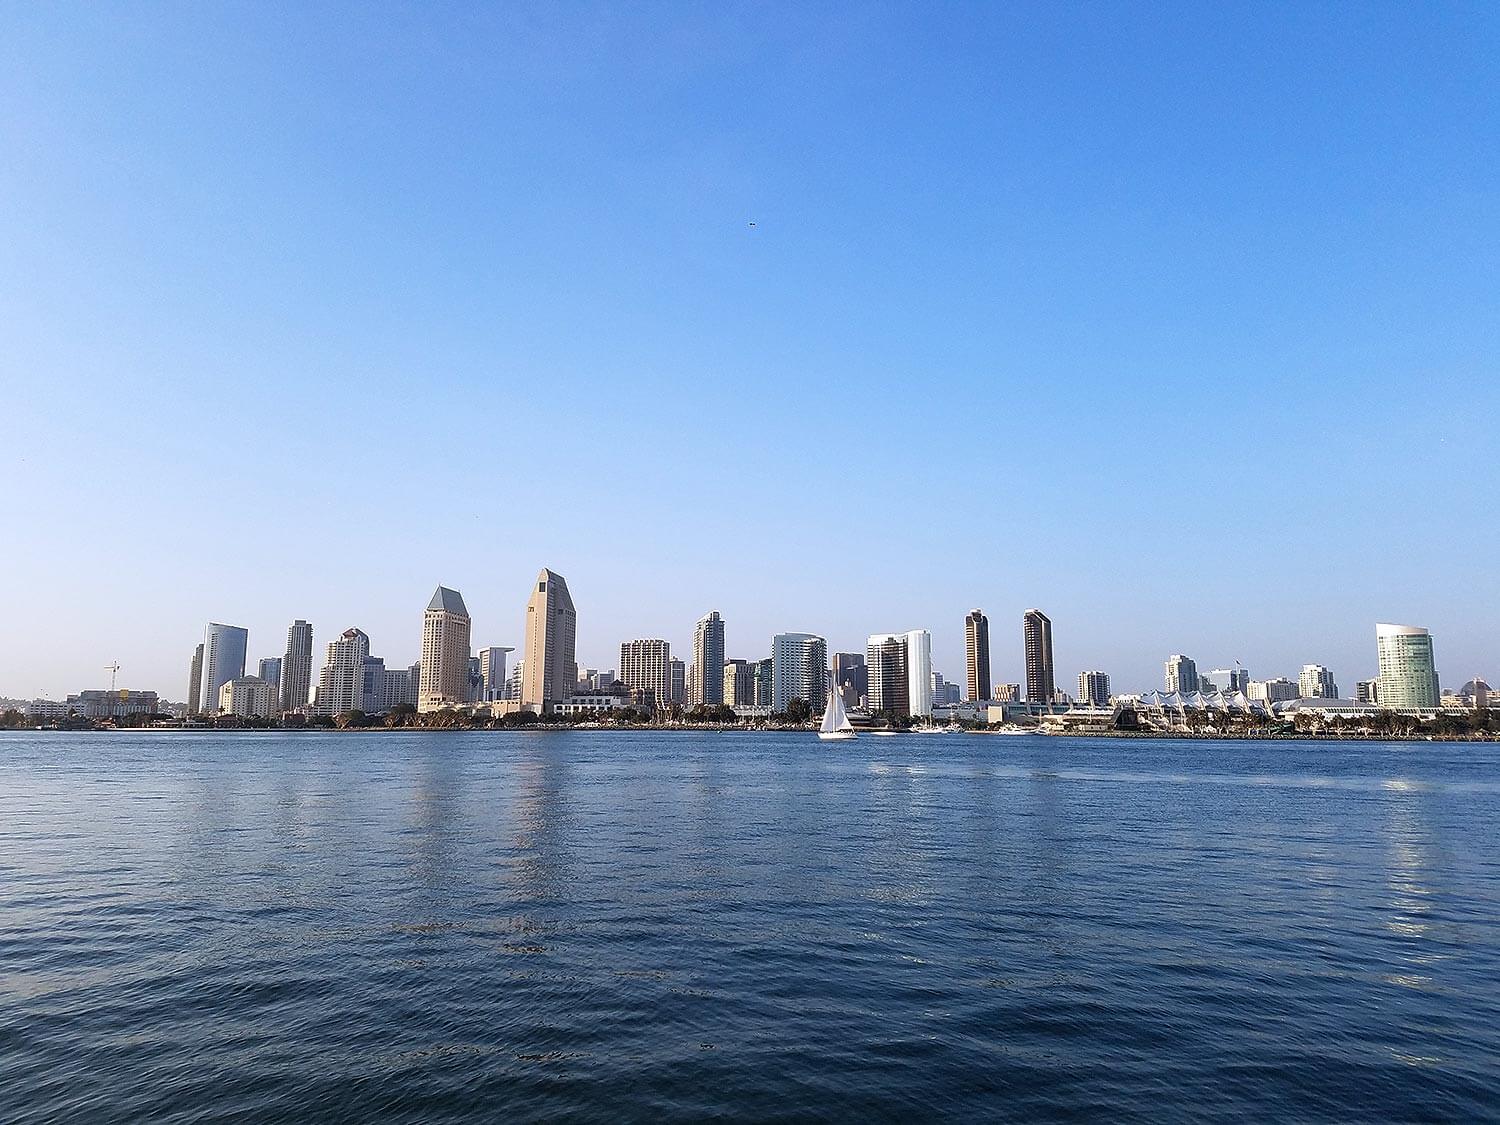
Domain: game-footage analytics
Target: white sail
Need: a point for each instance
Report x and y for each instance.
(834, 716)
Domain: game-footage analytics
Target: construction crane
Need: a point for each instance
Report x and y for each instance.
(113, 670)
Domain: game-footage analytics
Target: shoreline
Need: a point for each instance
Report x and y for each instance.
(1181, 736)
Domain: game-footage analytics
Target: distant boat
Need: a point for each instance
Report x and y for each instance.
(836, 726)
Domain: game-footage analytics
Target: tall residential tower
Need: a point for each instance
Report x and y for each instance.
(708, 660)
(977, 647)
(296, 666)
(1036, 630)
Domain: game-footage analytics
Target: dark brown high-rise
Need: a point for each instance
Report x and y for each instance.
(977, 647)
(1036, 628)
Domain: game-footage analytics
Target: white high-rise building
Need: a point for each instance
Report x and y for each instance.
(223, 660)
(1316, 682)
(1408, 669)
(899, 668)
(445, 652)
(1181, 674)
(341, 684)
(799, 670)
(708, 660)
(646, 665)
(1093, 688)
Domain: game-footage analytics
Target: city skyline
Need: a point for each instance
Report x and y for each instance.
(244, 655)
(1227, 255)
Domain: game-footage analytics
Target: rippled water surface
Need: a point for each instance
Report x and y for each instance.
(611, 927)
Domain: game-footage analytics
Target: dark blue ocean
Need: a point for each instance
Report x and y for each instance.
(579, 927)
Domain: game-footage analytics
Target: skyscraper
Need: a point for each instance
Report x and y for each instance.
(445, 652)
(1181, 674)
(551, 628)
(1316, 682)
(1093, 688)
(899, 666)
(851, 677)
(977, 647)
(223, 660)
(270, 671)
(195, 680)
(708, 659)
(799, 670)
(765, 682)
(296, 666)
(678, 673)
(1036, 630)
(645, 666)
(492, 672)
(1367, 691)
(342, 683)
(1408, 669)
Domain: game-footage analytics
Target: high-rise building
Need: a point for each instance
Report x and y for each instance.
(977, 654)
(1181, 674)
(223, 660)
(401, 685)
(1225, 679)
(645, 666)
(296, 667)
(492, 672)
(945, 691)
(341, 683)
(851, 677)
(1006, 693)
(195, 681)
(250, 697)
(677, 671)
(1367, 691)
(551, 630)
(799, 670)
(899, 667)
(270, 671)
(1408, 669)
(1036, 629)
(1279, 690)
(1093, 688)
(513, 681)
(708, 660)
(739, 683)
(1316, 682)
(765, 682)
(445, 652)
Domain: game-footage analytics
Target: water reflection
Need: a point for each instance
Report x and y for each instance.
(1409, 847)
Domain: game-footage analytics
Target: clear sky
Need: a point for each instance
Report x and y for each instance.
(1179, 322)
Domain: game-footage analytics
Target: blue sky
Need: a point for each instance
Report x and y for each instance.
(1179, 322)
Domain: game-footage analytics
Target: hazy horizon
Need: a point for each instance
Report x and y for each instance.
(1174, 323)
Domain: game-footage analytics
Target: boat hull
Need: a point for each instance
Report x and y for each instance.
(836, 735)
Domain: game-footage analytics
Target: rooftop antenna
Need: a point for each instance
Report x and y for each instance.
(113, 670)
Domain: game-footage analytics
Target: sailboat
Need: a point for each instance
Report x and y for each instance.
(836, 726)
